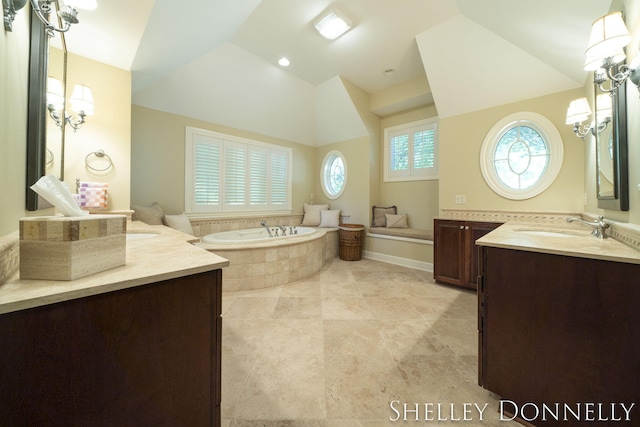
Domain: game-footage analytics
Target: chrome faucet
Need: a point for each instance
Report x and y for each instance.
(264, 224)
(599, 226)
(284, 230)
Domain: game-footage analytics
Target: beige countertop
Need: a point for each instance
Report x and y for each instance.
(167, 254)
(569, 241)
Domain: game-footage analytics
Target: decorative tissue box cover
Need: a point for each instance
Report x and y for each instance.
(67, 248)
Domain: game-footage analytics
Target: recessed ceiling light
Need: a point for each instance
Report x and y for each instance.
(284, 62)
(332, 24)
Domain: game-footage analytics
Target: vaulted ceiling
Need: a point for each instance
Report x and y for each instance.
(216, 60)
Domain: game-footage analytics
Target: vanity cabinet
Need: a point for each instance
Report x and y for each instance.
(147, 355)
(555, 328)
(455, 253)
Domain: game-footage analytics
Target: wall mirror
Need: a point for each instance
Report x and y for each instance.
(610, 130)
(45, 140)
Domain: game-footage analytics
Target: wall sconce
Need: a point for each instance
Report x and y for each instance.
(332, 24)
(81, 102)
(604, 55)
(42, 8)
(579, 111)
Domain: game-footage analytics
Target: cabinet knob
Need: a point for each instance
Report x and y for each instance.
(462, 227)
(466, 227)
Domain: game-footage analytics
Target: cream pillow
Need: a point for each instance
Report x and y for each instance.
(396, 221)
(378, 215)
(312, 214)
(179, 222)
(151, 215)
(330, 218)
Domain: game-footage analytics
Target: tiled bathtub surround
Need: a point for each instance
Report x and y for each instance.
(204, 226)
(281, 262)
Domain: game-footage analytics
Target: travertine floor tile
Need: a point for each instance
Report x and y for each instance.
(339, 348)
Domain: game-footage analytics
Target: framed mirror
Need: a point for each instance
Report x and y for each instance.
(45, 140)
(610, 131)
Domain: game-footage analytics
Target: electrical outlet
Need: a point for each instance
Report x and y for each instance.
(461, 199)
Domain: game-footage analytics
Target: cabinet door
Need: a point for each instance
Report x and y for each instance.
(449, 252)
(474, 231)
(143, 356)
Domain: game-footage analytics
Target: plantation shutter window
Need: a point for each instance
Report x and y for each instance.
(227, 174)
(411, 152)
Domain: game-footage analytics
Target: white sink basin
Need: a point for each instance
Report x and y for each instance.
(549, 233)
(138, 236)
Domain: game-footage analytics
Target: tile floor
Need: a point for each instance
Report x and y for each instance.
(336, 349)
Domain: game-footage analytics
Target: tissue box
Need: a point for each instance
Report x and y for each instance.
(67, 248)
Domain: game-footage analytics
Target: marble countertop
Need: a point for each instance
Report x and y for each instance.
(160, 253)
(569, 241)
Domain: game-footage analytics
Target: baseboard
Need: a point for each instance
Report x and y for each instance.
(405, 262)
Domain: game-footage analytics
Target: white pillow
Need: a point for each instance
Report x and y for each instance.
(312, 214)
(330, 218)
(179, 222)
(396, 221)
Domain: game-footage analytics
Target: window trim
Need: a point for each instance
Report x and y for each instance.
(221, 209)
(556, 154)
(324, 177)
(426, 175)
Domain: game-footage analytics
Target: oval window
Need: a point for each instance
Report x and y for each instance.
(333, 174)
(521, 155)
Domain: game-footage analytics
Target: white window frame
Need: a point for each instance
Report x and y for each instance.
(413, 173)
(556, 153)
(273, 155)
(325, 171)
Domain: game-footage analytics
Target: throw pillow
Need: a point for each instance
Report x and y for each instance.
(329, 218)
(378, 218)
(397, 221)
(312, 214)
(151, 215)
(179, 222)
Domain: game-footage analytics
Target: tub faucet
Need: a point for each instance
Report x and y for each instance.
(284, 230)
(264, 224)
(599, 226)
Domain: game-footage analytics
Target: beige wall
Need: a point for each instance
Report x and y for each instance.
(417, 199)
(14, 73)
(354, 201)
(109, 129)
(157, 158)
(461, 139)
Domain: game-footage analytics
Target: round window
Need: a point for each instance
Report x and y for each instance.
(521, 155)
(333, 174)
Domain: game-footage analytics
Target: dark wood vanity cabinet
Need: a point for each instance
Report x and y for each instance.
(455, 253)
(560, 329)
(143, 356)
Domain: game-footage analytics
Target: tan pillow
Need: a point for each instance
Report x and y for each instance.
(179, 222)
(378, 218)
(151, 215)
(329, 218)
(397, 221)
(312, 214)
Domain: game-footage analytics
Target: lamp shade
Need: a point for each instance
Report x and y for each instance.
(55, 93)
(578, 111)
(592, 63)
(604, 107)
(608, 35)
(82, 100)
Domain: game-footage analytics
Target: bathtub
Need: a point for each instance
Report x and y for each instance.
(257, 261)
(254, 235)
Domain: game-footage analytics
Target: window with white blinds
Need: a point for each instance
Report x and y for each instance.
(224, 173)
(411, 151)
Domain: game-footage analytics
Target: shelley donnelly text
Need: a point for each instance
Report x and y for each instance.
(404, 411)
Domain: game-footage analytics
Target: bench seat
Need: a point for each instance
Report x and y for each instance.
(409, 233)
